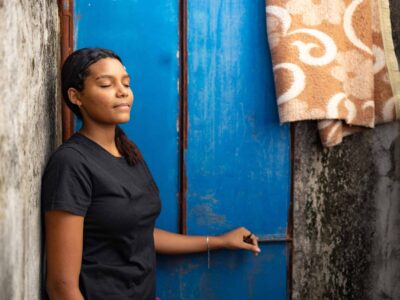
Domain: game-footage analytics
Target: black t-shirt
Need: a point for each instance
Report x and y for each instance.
(120, 204)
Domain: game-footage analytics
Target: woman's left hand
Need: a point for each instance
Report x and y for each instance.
(240, 238)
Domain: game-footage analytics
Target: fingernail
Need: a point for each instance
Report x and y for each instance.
(258, 249)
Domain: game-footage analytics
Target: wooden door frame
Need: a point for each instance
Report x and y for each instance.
(66, 14)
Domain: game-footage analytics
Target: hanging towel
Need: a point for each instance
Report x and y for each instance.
(334, 61)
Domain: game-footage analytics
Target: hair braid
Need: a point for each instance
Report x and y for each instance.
(126, 147)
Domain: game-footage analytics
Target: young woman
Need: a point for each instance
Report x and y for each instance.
(99, 199)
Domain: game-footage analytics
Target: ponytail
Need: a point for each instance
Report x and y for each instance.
(126, 147)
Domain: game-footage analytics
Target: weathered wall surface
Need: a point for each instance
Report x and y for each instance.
(347, 213)
(395, 16)
(347, 216)
(29, 60)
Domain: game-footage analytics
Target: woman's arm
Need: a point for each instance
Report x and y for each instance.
(64, 234)
(172, 243)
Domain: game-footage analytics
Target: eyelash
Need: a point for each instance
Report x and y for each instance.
(106, 86)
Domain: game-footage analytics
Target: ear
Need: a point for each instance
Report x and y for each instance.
(74, 96)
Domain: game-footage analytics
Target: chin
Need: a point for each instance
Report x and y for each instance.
(123, 120)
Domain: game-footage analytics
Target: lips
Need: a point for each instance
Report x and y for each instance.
(122, 105)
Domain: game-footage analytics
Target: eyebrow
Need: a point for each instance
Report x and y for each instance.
(110, 76)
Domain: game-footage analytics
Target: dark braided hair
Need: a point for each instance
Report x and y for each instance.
(73, 73)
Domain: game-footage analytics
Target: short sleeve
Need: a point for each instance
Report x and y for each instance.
(66, 183)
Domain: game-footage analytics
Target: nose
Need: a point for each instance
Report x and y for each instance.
(122, 91)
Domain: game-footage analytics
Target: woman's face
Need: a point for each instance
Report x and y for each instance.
(107, 97)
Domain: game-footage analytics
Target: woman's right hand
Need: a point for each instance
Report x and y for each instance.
(236, 239)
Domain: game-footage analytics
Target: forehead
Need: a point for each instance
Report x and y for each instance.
(109, 66)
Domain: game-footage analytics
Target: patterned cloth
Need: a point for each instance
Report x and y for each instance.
(334, 61)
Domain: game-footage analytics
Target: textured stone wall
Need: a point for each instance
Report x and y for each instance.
(347, 216)
(395, 16)
(347, 212)
(29, 130)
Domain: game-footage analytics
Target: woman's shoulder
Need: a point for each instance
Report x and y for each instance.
(67, 153)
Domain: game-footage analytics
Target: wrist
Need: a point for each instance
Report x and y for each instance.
(215, 242)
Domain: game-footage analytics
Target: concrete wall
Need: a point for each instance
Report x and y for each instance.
(29, 130)
(395, 16)
(347, 212)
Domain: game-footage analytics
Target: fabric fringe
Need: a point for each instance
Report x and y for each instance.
(391, 58)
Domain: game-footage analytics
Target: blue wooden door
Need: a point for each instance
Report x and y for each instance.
(236, 159)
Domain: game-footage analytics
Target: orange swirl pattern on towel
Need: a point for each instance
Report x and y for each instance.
(329, 65)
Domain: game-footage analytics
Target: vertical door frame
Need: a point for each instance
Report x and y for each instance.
(289, 231)
(66, 13)
(183, 113)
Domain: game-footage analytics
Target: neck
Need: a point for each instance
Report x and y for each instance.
(101, 134)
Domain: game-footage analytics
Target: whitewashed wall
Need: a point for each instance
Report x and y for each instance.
(29, 130)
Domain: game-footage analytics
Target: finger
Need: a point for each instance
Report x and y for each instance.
(248, 237)
(251, 247)
(255, 242)
(251, 239)
(245, 231)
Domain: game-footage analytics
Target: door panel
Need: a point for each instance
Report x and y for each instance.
(238, 155)
(232, 275)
